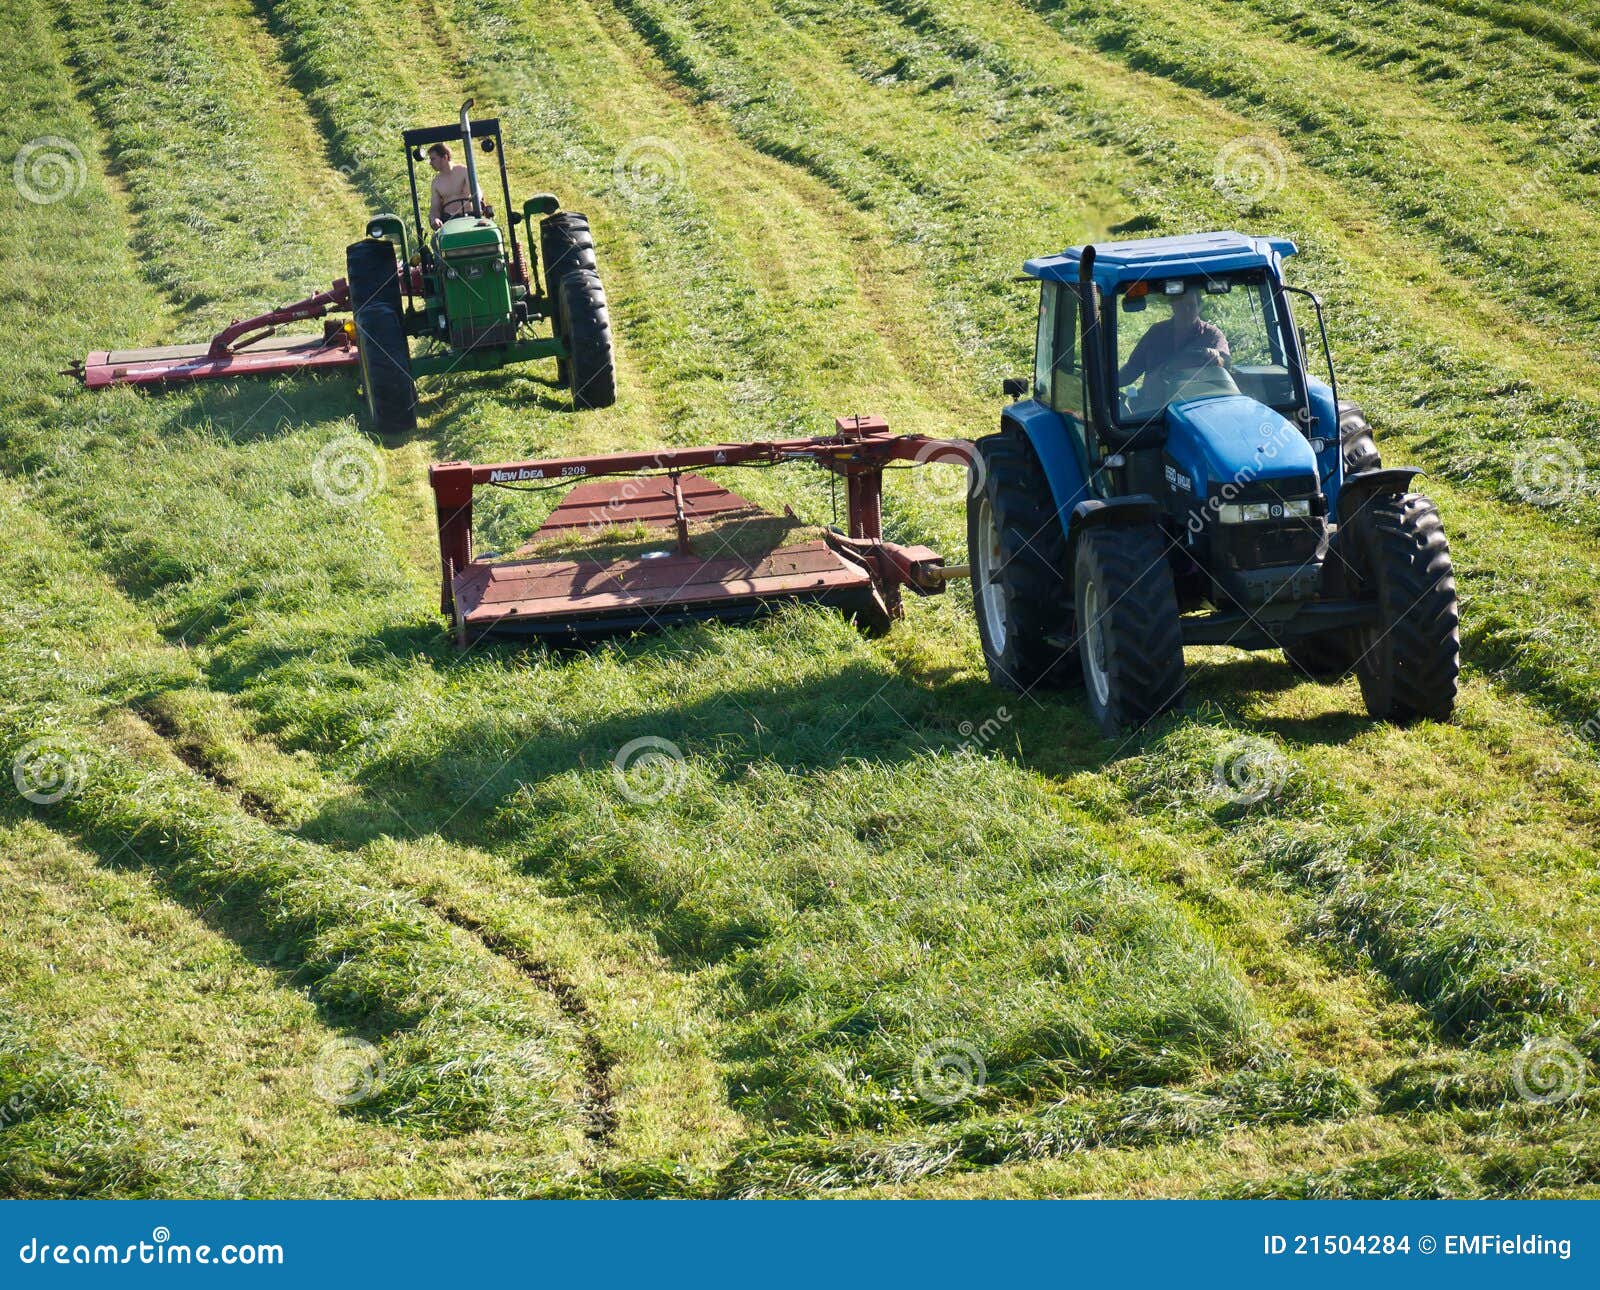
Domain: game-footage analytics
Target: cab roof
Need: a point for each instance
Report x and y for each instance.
(1142, 259)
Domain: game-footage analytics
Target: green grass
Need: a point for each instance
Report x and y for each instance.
(867, 861)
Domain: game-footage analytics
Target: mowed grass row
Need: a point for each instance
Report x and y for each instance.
(464, 1047)
(261, 617)
(467, 1046)
(397, 727)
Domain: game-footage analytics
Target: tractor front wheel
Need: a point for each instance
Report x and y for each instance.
(1410, 657)
(591, 374)
(1018, 556)
(1129, 638)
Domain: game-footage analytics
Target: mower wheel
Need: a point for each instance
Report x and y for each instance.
(1410, 658)
(1129, 639)
(1018, 555)
(388, 387)
(591, 376)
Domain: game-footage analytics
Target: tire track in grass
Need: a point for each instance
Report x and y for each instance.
(600, 1095)
(251, 799)
(600, 1113)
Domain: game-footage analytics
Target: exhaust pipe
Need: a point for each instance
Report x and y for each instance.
(472, 165)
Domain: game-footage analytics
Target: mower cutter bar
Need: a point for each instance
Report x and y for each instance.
(245, 347)
(581, 598)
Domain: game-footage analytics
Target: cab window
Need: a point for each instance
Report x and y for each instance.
(1045, 341)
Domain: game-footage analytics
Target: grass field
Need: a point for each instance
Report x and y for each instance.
(323, 907)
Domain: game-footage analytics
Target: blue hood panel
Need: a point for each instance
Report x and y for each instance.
(1234, 439)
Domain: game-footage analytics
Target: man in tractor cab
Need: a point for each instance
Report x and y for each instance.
(452, 188)
(1185, 336)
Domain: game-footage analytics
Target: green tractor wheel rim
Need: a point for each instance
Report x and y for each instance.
(989, 559)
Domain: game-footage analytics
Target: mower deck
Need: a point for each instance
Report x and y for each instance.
(174, 363)
(706, 566)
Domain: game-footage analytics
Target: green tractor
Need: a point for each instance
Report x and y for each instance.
(469, 296)
(466, 294)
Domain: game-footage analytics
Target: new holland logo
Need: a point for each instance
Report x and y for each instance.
(511, 476)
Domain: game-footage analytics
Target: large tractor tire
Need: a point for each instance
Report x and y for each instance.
(591, 373)
(1410, 658)
(389, 389)
(566, 245)
(1018, 556)
(1130, 641)
(1359, 448)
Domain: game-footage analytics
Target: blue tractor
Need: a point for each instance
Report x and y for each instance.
(1174, 474)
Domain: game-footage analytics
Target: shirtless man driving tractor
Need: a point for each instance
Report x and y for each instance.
(452, 189)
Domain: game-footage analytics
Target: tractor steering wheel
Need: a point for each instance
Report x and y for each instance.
(447, 208)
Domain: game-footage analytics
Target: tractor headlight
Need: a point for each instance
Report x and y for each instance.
(1255, 512)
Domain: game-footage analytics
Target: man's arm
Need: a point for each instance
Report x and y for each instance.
(435, 205)
(1138, 361)
(1220, 353)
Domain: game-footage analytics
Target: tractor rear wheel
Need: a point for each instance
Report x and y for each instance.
(591, 374)
(1410, 658)
(566, 245)
(1129, 638)
(1018, 556)
(388, 387)
(1356, 444)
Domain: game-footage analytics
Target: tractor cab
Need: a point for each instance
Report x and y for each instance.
(1175, 474)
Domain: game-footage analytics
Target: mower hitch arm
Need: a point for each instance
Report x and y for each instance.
(247, 331)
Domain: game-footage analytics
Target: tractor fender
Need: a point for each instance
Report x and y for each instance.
(1053, 444)
(1393, 480)
(1136, 510)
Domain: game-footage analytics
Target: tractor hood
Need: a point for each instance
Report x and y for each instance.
(1235, 440)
